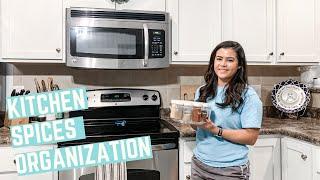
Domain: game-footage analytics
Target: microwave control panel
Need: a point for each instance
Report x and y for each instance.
(157, 43)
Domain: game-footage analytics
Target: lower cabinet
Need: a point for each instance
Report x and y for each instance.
(264, 157)
(186, 146)
(298, 159)
(271, 158)
(8, 170)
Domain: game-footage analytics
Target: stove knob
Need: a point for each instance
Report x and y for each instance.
(145, 97)
(154, 97)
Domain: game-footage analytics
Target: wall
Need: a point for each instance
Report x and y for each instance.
(168, 81)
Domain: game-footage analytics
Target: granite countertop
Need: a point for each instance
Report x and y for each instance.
(307, 129)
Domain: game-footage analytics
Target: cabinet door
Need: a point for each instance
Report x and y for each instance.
(265, 159)
(196, 29)
(298, 30)
(31, 29)
(250, 22)
(154, 5)
(296, 160)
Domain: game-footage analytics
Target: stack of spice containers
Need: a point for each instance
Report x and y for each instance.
(189, 112)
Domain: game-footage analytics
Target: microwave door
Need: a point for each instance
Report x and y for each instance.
(107, 43)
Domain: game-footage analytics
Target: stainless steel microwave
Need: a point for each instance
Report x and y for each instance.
(109, 39)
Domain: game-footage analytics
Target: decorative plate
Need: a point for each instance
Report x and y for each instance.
(290, 96)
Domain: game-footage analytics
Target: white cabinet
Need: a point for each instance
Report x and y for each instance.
(276, 31)
(8, 170)
(298, 30)
(154, 5)
(31, 31)
(297, 160)
(316, 163)
(196, 29)
(250, 23)
(186, 146)
(265, 161)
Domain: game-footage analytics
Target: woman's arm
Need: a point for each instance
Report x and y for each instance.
(247, 136)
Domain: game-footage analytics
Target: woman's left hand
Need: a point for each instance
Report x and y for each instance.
(209, 126)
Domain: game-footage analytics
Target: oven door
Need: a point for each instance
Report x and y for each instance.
(163, 166)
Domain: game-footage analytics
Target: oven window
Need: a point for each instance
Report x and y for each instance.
(118, 43)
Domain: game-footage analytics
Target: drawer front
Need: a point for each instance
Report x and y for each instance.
(188, 150)
(8, 155)
(7, 160)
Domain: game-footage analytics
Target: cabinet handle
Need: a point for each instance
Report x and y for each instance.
(175, 53)
(304, 157)
(58, 50)
(271, 54)
(282, 54)
(14, 161)
(188, 177)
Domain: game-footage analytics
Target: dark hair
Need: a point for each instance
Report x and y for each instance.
(235, 87)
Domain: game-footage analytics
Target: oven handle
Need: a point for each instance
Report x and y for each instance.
(146, 45)
(159, 147)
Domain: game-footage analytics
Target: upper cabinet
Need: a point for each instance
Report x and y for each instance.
(154, 5)
(277, 31)
(298, 30)
(195, 31)
(31, 30)
(250, 22)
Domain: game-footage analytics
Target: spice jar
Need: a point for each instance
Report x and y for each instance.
(187, 112)
(205, 112)
(196, 112)
(176, 109)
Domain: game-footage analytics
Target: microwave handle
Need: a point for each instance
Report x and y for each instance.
(146, 45)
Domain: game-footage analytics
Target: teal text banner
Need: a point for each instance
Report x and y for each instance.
(84, 155)
(47, 132)
(47, 103)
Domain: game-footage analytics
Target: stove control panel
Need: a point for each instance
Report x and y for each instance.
(123, 97)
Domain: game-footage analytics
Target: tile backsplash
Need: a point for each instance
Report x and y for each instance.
(175, 82)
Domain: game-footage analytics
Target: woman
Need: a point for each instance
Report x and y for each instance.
(221, 152)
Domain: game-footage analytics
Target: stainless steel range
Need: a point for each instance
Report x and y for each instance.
(124, 113)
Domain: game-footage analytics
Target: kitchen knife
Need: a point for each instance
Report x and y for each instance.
(37, 85)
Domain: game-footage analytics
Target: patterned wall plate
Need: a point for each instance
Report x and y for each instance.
(290, 96)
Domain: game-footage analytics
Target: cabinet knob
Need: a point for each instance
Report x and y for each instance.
(188, 177)
(304, 157)
(282, 54)
(58, 50)
(271, 54)
(175, 53)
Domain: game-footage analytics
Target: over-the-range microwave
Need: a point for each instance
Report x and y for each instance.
(109, 39)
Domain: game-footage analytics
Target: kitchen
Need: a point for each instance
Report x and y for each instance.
(265, 28)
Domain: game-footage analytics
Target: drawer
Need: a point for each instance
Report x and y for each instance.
(188, 150)
(8, 155)
(7, 158)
